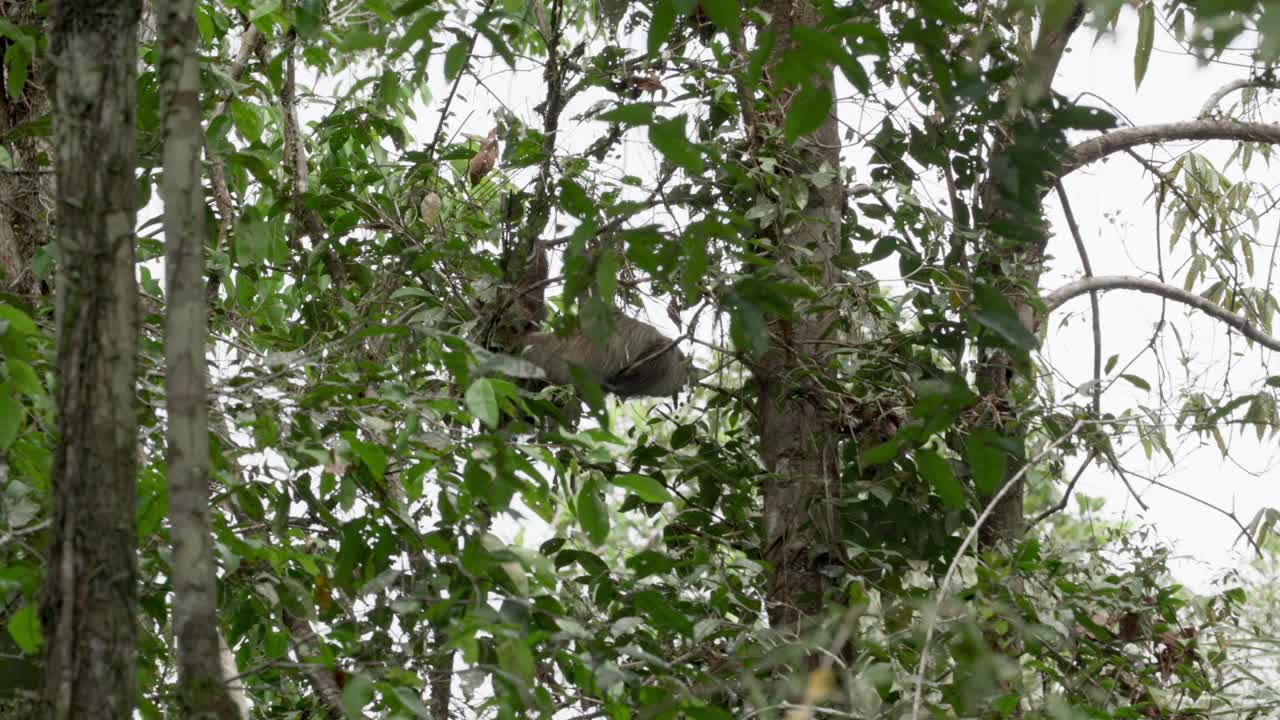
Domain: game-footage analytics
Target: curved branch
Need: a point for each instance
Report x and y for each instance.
(1211, 104)
(1055, 299)
(1115, 141)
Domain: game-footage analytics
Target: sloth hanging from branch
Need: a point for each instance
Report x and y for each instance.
(634, 360)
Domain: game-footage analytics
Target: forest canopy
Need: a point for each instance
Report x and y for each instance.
(634, 359)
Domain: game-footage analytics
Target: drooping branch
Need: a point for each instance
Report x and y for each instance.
(1055, 299)
(1212, 103)
(1100, 147)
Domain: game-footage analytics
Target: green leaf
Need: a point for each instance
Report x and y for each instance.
(454, 59)
(248, 122)
(633, 114)
(593, 515)
(994, 312)
(24, 628)
(937, 470)
(647, 488)
(1110, 364)
(661, 25)
(16, 63)
(372, 455)
(16, 321)
(419, 31)
(575, 200)
(409, 7)
(24, 378)
(879, 454)
(1146, 41)
(724, 13)
(514, 657)
(607, 268)
(669, 138)
(986, 461)
(12, 415)
(1137, 382)
(809, 109)
(356, 694)
(662, 612)
(482, 402)
(355, 39)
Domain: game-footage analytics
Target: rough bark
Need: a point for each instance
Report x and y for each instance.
(202, 690)
(91, 589)
(797, 444)
(26, 190)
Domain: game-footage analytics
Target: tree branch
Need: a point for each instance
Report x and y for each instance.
(1211, 104)
(1104, 283)
(1115, 141)
(1096, 390)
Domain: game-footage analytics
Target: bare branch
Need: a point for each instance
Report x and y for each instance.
(1170, 292)
(1115, 141)
(1212, 103)
(1096, 390)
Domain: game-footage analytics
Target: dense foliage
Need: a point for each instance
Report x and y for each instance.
(402, 508)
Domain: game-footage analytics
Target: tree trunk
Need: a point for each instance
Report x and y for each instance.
(91, 589)
(797, 444)
(1007, 524)
(202, 690)
(25, 191)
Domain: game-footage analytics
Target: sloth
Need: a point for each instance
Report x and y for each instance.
(637, 360)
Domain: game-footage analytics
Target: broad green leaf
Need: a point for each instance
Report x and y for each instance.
(809, 109)
(409, 7)
(1137, 382)
(575, 200)
(879, 454)
(662, 612)
(607, 268)
(994, 312)
(632, 114)
(661, 25)
(372, 455)
(647, 488)
(986, 461)
(724, 13)
(12, 415)
(482, 402)
(16, 62)
(24, 378)
(668, 137)
(24, 628)
(357, 693)
(1146, 41)
(593, 514)
(454, 59)
(355, 39)
(514, 657)
(937, 470)
(15, 321)
(419, 31)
